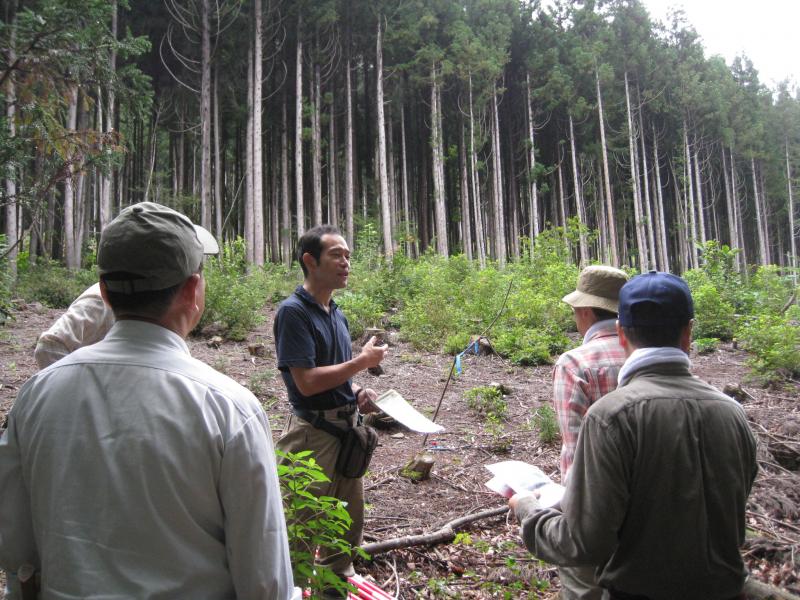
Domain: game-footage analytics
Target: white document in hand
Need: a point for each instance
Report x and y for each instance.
(394, 404)
(514, 476)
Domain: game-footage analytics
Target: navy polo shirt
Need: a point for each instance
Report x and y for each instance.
(307, 336)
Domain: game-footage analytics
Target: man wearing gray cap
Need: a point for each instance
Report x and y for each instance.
(662, 471)
(130, 469)
(88, 319)
(580, 378)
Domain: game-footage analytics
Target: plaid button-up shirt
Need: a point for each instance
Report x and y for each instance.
(580, 378)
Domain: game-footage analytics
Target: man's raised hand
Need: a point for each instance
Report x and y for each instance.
(372, 354)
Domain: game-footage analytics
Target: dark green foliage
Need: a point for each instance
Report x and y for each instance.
(51, 284)
(728, 304)
(544, 420)
(312, 521)
(774, 342)
(706, 345)
(235, 296)
(487, 401)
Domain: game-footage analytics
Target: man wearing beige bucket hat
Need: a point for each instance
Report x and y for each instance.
(581, 377)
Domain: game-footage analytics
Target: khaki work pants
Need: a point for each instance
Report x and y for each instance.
(299, 435)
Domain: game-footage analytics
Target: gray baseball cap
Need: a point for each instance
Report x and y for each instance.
(157, 247)
(598, 287)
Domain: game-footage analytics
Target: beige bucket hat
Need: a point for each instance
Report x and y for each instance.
(598, 287)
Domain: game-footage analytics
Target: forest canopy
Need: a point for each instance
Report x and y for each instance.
(455, 126)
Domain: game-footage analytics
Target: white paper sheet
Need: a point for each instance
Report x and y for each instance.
(514, 476)
(394, 404)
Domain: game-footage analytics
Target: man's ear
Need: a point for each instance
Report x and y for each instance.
(686, 336)
(104, 292)
(188, 292)
(309, 261)
(623, 341)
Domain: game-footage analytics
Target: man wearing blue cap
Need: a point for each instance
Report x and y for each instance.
(663, 468)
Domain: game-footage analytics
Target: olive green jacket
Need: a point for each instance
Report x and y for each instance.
(656, 497)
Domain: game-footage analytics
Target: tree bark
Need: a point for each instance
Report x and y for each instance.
(663, 246)
(205, 116)
(499, 212)
(533, 199)
(576, 184)
(610, 221)
(480, 234)
(71, 257)
(298, 132)
(761, 229)
(258, 165)
(106, 179)
(316, 145)
(349, 192)
(439, 200)
(641, 240)
(247, 205)
(217, 163)
(386, 214)
(690, 204)
(651, 242)
(792, 235)
(466, 233)
(286, 217)
(11, 180)
(404, 174)
(701, 219)
(333, 191)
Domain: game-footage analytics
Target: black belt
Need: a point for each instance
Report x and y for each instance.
(318, 420)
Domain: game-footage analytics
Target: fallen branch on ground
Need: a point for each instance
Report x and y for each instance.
(444, 535)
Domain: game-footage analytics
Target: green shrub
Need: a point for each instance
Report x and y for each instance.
(544, 420)
(524, 346)
(487, 401)
(361, 311)
(312, 521)
(706, 345)
(456, 343)
(234, 297)
(52, 284)
(714, 317)
(774, 342)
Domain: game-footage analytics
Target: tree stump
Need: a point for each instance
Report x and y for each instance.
(737, 392)
(484, 346)
(380, 335)
(259, 350)
(418, 468)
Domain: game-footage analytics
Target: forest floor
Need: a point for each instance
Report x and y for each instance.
(487, 562)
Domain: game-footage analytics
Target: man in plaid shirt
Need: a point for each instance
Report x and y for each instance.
(580, 378)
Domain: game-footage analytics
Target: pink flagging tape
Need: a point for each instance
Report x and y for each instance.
(367, 590)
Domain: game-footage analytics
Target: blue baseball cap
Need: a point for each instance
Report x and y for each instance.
(668, 292)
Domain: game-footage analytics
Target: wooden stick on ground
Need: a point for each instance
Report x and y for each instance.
(444, 535)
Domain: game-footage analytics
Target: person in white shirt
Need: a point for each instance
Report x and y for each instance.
(131, 470)
(88, 319)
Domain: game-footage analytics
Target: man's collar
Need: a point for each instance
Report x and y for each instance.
(604, 327)
(304, 295)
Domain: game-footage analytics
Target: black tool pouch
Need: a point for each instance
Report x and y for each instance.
(355, 452)
(356, 443)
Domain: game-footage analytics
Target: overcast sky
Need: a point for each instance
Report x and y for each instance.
(765, 30)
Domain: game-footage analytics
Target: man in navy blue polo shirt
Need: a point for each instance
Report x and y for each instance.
(315, 358)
